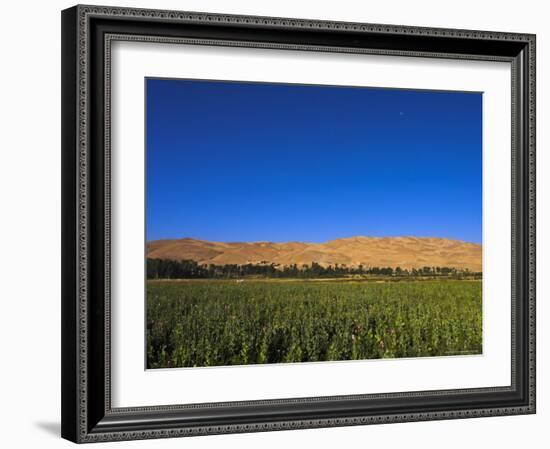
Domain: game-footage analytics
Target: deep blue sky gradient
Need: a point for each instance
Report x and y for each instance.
(231, 161)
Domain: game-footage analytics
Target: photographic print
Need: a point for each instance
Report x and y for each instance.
(295, 208)
(291, 223)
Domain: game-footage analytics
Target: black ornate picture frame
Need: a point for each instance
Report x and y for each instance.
(87, 34)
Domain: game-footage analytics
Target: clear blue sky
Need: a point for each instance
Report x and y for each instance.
(233, 161)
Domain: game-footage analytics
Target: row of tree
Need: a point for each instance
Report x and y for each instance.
(189, 269)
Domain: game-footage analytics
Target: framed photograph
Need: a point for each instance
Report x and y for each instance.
(276, 224)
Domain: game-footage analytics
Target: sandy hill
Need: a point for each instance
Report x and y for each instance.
(405, 252)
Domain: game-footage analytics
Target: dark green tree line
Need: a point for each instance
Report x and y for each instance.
(189, 269)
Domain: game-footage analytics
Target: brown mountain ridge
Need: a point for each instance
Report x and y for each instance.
(404, 252)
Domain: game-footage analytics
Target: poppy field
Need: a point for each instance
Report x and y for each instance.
(200, 323)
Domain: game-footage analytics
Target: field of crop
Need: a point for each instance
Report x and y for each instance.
(213, 323)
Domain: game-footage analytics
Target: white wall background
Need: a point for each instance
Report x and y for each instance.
(30, 223)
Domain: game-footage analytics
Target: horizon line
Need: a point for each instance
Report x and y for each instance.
(317, 242)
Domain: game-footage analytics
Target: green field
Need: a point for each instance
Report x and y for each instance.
(213, 322)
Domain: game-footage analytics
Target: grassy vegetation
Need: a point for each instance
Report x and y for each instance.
(213, 323)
